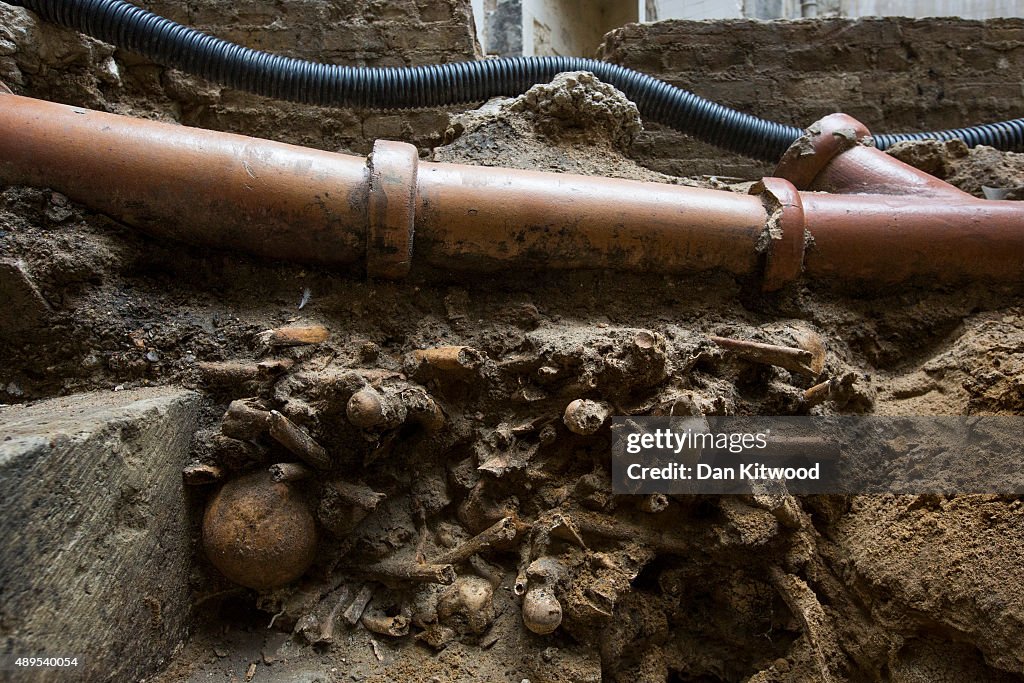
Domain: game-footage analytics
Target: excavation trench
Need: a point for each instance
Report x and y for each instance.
(455, 428)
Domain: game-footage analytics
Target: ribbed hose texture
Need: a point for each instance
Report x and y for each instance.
(165, 42)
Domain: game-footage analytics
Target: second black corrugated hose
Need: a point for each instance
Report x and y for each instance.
(170, 44)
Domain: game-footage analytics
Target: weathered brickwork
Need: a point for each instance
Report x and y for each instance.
(893, 74)
(45, 61)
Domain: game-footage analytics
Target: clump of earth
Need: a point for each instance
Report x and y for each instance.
(972, 170)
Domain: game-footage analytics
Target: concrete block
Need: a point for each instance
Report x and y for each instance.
(95, 547)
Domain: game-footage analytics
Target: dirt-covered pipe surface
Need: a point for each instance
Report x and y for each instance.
(293, 203)
(188, 184)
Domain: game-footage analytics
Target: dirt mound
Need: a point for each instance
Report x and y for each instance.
(575, 124)
(577, 107)
(972, 170)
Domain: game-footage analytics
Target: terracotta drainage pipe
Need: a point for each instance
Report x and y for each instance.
(294, 203)
(301, 204)
(874, 218)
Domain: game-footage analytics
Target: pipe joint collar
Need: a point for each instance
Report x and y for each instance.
(784, 232)
(391, 210)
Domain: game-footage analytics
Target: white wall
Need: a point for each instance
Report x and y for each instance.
(969, 9)
(560, 27)
(699, 9)
(727, 9)
(572, 27)
(733, 9)
(478, 19)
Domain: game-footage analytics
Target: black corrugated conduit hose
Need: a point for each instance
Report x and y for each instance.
(165, 42)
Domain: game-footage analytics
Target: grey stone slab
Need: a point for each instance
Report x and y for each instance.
(95, 549)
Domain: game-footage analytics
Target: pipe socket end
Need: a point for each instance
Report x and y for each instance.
(823, 140)
(392, 209)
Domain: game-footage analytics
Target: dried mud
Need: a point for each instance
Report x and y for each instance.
(689, 589)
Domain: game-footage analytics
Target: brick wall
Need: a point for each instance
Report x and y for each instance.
(43, 61)
(365, 32)
(357, 32)
(893, 74)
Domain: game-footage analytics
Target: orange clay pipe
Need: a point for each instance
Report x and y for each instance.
(881, 221)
